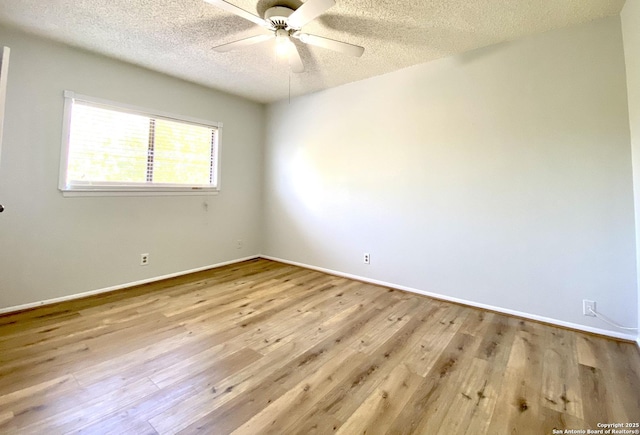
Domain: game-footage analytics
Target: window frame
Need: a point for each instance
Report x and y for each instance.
(131, 189)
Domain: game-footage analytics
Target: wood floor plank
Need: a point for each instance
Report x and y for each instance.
(380, 409)
(88, 411)
(167, 400)
(281, 413)
(473, 394)
(519, 408)
(445, 323)
(623, 380)
(593, 385)
(427, 407)
(269, 348)
(560, 375)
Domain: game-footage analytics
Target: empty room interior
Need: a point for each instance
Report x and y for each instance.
(295, 217)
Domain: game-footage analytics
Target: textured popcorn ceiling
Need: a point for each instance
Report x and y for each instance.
(176, 36)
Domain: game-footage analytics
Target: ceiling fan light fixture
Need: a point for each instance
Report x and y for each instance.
(282, 43)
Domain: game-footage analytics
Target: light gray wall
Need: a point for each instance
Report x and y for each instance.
(631, 33)
(52, 246)
(501, 177)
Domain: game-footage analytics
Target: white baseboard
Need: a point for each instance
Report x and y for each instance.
(536, 317)
(120, 286)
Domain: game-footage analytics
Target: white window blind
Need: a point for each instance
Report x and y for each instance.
(117, 148)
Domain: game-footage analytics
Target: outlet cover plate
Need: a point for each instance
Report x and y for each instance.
(587, 306)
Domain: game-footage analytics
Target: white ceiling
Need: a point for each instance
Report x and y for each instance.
(176, 36)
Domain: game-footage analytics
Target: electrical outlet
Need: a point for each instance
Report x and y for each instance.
(239, 244)
(144, 259)
(587, 308)
(367, 259)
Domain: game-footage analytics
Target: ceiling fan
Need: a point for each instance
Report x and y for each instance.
(284, 23)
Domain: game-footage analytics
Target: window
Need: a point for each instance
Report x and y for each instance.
(111, 148)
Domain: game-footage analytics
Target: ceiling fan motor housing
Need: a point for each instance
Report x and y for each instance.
(277, 16)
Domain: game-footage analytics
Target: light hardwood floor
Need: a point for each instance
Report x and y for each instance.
(263, 347)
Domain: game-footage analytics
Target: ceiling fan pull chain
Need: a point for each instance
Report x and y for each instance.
(289, 85)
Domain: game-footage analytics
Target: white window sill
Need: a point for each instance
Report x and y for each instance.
(140, 192)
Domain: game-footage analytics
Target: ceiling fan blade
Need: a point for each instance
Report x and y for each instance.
(295, 61)
(308, 11)
(238, 11)
(241, 43)
(331, 44)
